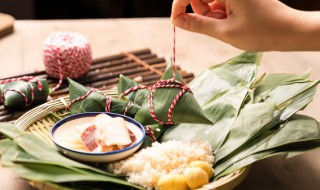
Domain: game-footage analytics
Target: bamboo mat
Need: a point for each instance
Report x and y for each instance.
(142, 65)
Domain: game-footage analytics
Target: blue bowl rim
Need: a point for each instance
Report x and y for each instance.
(72, 117)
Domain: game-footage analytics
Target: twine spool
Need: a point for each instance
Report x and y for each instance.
(66, 55)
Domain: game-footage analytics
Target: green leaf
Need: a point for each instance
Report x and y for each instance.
(240, 70)
(6, 144)
(93, 103)
(301, 94)
(141, 96)
(252, 119)
(13, 99)
(222, 111)
(157, 130)
(162, 100)
(272, 81)
(126, 83)
(96, 102)
(287, 150)
(34, 146)
(8, 156)
(43, 172)
(299, 129)
(9, 130)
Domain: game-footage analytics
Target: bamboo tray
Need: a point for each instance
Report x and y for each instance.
(39, 120)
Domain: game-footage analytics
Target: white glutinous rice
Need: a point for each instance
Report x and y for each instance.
(147, 166)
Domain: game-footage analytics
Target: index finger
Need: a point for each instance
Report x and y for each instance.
(201, 6)
(179, 8)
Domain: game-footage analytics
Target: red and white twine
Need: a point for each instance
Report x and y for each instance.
(150, 132)
(127, 107)
(66, 54)
(28, 79)
(134, 89)
(108, 100)
(169, 83)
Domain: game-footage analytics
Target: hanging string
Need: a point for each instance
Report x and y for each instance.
(168, 83)
(174, 53)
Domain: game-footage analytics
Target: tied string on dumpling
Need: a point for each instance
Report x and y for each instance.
(28, 79)
(108, 101)
(168, 83)
(150, 132)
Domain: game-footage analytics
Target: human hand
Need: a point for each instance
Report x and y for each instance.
(254, 25)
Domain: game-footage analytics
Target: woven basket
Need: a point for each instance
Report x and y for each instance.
(39, 120)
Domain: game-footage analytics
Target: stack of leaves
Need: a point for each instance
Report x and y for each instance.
(244, 117)
(253, 118)
(33, 159)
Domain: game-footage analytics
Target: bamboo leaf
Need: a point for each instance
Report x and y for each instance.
(240, 70)
(126, 83)
(6, 144)
(299, 129)
(39, 172)
(222, 111)
(9, 130)
(162, 100)
(141, 96)
(47, 169)
(96, 102)
(287, 150)
(42, 151)
(138, 96)
(157, 130)
(301, 94)
(251, 120)
(272, 81)
(13, 99)
(10, 154)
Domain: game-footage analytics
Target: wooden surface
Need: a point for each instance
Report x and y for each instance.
(21, 52)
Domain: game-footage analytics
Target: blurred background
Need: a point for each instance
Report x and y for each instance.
(77, 9)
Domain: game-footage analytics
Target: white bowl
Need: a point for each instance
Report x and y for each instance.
(133, 125)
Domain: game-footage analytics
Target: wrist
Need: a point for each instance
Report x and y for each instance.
(303, 31)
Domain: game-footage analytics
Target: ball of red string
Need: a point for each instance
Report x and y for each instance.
(67, 54)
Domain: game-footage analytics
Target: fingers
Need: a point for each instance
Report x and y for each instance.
(201, 6)
(179, 8)
(199, 23)
(209, 8)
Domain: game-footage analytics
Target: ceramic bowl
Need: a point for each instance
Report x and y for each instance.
(67, 122)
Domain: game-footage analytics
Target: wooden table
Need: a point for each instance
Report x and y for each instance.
(21, 52)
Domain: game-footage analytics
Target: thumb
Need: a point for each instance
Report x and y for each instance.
(198, 23)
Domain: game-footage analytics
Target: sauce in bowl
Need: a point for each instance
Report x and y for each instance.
(73, 137)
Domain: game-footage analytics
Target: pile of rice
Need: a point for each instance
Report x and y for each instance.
(147, 166)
